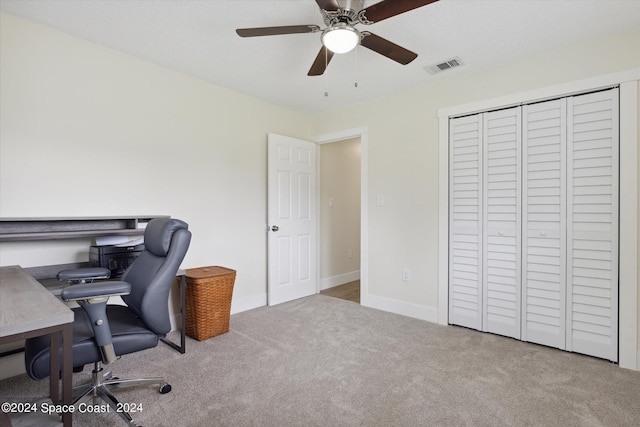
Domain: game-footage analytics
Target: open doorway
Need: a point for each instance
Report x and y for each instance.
(340, 218)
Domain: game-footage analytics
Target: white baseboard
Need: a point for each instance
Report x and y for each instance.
(638, 362)
(338, 280)
(403, 308)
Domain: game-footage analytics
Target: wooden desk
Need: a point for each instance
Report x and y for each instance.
(29, 310)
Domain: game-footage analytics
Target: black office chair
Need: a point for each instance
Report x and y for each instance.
(102, 333)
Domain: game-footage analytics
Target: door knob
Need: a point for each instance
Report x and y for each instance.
(275, 228)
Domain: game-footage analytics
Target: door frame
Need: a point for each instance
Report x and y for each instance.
(629, 356)
(341, 135)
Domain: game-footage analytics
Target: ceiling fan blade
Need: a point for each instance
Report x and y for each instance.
(320, 64)
(387, 48)
(328, 4)
(274, 31)
(388, 8)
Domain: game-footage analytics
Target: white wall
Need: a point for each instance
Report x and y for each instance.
(86, 130)
(339, 212)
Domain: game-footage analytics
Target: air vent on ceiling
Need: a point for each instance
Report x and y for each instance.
(445, 65)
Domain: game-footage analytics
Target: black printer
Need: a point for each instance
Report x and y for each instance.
(114, 257)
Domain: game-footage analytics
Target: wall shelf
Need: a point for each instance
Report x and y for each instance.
(23, 229)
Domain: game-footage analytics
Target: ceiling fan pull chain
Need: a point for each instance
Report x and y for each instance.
(326, 72)
(355, 67)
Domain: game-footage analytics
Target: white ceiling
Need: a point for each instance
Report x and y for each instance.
(198, 38)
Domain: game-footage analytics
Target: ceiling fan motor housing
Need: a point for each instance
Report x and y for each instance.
(348, 13)
(353, 5)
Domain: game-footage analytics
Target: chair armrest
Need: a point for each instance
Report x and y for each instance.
(95, 290)
(90, 273)
(92, 298)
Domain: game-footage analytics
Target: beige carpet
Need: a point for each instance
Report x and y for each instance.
(322, 361)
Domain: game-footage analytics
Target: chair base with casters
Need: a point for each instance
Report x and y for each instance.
(103, 382)
(102, 333)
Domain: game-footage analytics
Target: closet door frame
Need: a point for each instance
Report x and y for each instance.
(629, 356)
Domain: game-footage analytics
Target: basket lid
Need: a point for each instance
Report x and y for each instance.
(204, 272)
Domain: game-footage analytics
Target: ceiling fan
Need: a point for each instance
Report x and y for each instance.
(341, 36)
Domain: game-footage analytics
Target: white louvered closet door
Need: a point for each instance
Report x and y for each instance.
(501, 229)
(465, 222)
(534, 208)
(592, 229)
(544, 223)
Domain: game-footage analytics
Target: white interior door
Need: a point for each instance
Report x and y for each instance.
(465, 222)
(292, 219)
(501, 207)
(544, 223)
(592, 225)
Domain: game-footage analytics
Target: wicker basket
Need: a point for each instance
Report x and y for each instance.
(208, 301)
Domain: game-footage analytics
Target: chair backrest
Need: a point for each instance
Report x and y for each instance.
(152, 273)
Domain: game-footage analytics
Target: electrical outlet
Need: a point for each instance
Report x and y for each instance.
(406, 274)
(350, 253)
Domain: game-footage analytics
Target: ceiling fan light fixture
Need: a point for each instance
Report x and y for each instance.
(340, 38)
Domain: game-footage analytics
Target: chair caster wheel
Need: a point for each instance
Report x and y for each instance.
(165, 388)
